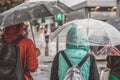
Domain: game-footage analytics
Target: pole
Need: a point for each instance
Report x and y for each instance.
(32, 33)
(118, 8)
(57, 41)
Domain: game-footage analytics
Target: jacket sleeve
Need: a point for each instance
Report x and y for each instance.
(32, 61)
(94, 75)
(54, 69)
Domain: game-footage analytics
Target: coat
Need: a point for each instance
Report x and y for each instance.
(28, 55)
(75, 53)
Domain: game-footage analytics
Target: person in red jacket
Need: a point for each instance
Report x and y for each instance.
(28, 51)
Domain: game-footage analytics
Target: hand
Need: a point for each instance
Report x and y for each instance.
(38, 52)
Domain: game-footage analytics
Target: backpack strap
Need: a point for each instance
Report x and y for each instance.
(16, 41)
(83, 60)
(66, 59)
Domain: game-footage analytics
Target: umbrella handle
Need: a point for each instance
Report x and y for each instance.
(32, 33)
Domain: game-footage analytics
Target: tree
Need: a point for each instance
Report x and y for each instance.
(7, 4)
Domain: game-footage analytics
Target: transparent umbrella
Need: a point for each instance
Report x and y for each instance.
(32, 10)
(115, 23)
(88, 32)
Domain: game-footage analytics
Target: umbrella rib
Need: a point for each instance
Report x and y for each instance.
(107, 34)
(58, 2)
(47, 9)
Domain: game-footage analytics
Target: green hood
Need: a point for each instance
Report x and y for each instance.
(75, 51)
(77, 39)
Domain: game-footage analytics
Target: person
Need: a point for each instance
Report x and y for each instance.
(41, 41)
(52, 27)
(47, 33)
(28, 55)
(75, 52)
(113, 63)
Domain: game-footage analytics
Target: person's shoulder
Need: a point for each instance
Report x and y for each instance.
(92, 57)
(27, 40)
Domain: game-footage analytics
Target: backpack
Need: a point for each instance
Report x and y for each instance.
(10, 65)
(73, 73)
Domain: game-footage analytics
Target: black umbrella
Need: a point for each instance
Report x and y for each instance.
(32, 10)
(115, 23)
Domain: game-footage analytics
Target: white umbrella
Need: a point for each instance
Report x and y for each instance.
(98, 33)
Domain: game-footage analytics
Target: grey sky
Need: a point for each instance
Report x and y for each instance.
(67, 2)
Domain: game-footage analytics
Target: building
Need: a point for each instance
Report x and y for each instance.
(98, 9)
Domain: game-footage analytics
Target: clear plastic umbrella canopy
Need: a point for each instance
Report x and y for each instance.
(87, 32)
(32, 10)
(115, 23)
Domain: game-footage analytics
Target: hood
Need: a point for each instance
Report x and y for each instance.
(77, 38)
(12, 32)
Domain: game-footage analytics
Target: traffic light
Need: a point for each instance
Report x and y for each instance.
(59, 17)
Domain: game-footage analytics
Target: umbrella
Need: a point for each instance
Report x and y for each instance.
(115, 23)
(32, 10)
(99, 33)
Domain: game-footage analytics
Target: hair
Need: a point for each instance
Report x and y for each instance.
(46, 26)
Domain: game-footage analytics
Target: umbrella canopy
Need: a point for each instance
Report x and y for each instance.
(99, 33)
(115, 23)
(32, 10)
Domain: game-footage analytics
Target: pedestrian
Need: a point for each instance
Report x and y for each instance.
(113, 62)
(41, 41)
(47, 32)
(28, 55)
(52, 27)
(75, 53)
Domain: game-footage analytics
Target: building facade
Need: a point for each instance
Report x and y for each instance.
(97, 9)
(118, 8)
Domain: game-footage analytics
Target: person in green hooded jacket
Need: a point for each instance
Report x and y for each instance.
(75, 52)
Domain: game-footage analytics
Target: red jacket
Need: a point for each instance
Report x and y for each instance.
(28, 56)
(27, 49)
